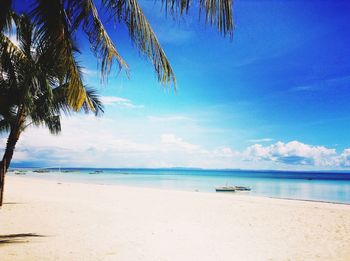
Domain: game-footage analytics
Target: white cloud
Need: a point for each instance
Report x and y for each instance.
(344, 159)
(303, 88)
(169, 118)
(111, 100)
(85, 140)
(293, 153)
(260, 140)
(225, 153)
(102, 142)
(171, 139)
(323, 84)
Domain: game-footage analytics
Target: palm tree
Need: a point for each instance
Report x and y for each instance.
(59, 20)
(34, 88)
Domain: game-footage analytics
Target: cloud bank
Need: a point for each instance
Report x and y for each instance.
(292, 153)
(101, 142)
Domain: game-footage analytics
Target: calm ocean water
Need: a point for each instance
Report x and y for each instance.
(332, 187)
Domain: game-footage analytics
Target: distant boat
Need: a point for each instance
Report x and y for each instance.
(41, 171)
(96, 172)
(231, 188)
(20, 172)
(70, 170)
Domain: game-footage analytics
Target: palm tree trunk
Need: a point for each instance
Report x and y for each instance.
(10, 148)
(2, 181)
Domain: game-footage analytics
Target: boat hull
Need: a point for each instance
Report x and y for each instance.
(231, 189)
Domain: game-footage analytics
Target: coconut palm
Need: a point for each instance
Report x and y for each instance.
(34, 88)
(59, 20)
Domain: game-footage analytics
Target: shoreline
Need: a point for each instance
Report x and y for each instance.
(309, 200)
(183, 190)
(45, 220)
(324, 171)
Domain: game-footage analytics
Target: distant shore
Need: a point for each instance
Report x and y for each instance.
(55, 220)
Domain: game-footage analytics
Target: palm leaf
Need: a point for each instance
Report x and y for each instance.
(53, 32)
(24, 31)
(10, 49)
(53, 123)
(5, 15)
(93, 102)
(219, 13)
(84, 12)
(142, 35)
(216, 12)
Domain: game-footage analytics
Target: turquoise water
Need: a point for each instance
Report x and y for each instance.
(332, 187)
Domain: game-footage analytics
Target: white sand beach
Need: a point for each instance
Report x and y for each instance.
(48, 220)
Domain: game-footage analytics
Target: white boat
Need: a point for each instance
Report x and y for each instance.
(231, 188)
(226, 189)
(96, 172)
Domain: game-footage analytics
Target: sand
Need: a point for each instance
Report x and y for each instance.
(48, 220)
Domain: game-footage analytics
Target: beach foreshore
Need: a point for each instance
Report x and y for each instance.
(51, 220)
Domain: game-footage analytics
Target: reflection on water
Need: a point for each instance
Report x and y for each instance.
(307, 186)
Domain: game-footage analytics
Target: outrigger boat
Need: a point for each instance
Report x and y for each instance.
(41, 170)
(20, 172)
(96, 172)
(231, 189)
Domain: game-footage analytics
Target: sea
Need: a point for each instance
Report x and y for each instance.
(313, 186)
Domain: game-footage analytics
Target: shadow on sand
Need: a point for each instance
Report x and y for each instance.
(17, 238)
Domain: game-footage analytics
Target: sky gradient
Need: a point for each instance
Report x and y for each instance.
(275, 97)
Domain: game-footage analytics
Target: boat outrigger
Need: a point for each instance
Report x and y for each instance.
(232, 189)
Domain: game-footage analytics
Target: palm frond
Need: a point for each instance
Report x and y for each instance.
(142, 36)
(53, 32)
(5, 125)
(9, 100)
(85, 12)
(11, 58)
(76, 93)
(47, 110)
(5, 15)
(57, 102)
(60, 102)
(93, 102)
(217, 12)
(53, 124)
(24, 31)
(9, 48)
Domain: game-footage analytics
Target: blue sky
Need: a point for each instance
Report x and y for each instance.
(275, 97)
